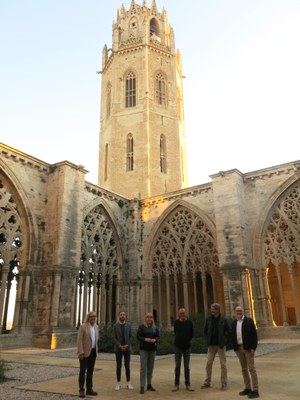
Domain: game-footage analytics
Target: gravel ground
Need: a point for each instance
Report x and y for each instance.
(23, 374)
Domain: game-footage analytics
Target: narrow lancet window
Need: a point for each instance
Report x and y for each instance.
(129, 152)
(163, 160)
(130, 90)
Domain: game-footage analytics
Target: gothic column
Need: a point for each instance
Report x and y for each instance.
(283, 309)
(295, 300)
(168, 300)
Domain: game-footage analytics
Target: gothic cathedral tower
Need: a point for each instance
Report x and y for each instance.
(142, 137)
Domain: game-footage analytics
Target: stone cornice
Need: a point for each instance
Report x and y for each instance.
(23, 158)
(178, 194)
(100, 192)
(288, 168)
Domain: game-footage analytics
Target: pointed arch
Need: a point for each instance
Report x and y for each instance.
(280, 249)
(17, 235)
(101, 264)
(160, 84)
(183, 262)
(130, 89)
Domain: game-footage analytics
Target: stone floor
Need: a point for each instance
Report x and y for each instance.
(39, 374)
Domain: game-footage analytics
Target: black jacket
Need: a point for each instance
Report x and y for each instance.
(184, 333)
(249, 334)
(223, 331)
(150, 332)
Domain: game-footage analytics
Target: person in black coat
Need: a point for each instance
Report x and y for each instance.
(147, 335)
(244, 342)
(217, 332)
(122, 347)
(184, 333)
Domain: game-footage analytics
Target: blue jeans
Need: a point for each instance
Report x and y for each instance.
(186, 355)
(126, 355)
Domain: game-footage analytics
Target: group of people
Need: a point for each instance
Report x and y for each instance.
(218, 333)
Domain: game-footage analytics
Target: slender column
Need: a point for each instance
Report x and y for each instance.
(185, 294)
(103, 303)
(159, 300)
(168, 300)
(2, 294)
(291, 270)
(176, 293)
(281, 296)
(110, 299)
(204, 292)
(195, 293)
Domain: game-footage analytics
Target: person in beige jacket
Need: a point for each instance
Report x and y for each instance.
(87, 346)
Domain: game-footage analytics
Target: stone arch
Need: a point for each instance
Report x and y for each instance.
(280, 247)
(101, 264)
(17, 249)
(183, 263)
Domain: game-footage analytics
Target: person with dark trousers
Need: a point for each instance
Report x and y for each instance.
(87, 344)
(217, 332)
(147, 335)
(184, 333)
(244, 343)
(122, 347)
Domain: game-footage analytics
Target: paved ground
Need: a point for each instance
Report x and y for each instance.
(53, 375)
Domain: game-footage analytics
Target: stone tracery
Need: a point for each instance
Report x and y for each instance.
(282, 256)
(185, 265)
(99, 265)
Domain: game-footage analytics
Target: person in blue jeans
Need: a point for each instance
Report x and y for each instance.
(184, 333)
(122, 339)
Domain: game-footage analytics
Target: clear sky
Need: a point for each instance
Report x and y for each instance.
(241, 59)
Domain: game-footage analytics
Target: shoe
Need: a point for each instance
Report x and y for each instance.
(150, 387)
(81, 393)
(91, 392)
(176, 388)
(118, 386)
(205, 386)
(253, 395)
(188, 387)
(224, 387)
(142, 391)
(245, 392)
(129, 386)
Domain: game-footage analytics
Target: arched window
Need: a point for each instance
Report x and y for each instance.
(160, 89)
(129, 152)
(108, 100)
(153, 27)
(130, 90)
(163, 160)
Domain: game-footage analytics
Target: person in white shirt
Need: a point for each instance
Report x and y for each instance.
(244, 342)
(87, 344)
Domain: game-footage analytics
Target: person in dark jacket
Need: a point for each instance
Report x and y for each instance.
(122, 347)
(217, 332)
(184, 333)
(147, 335)
(244, 342)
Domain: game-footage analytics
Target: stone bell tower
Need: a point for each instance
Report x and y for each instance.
(142, 137)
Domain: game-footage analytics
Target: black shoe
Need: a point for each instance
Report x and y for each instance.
(81, 393)
(142, 391)
(91, 392)
(245, 392)
(151, 388)
(253, 395)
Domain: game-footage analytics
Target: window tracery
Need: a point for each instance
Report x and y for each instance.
(282, 236)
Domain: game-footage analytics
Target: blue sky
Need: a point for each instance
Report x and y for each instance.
(241, 59)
